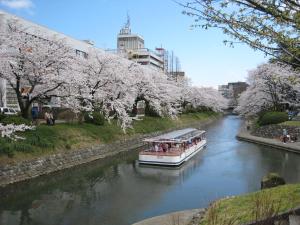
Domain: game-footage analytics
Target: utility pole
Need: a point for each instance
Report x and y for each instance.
(176, 67)
(172, 64)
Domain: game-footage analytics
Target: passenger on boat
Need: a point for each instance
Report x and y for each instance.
(165, 147)
(160, 149)
(156, 148)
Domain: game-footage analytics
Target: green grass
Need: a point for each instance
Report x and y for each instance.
(242, 209)
(65, 137)
(292, 123)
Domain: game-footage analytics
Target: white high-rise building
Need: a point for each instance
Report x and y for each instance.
(132, 46)
(127, 40)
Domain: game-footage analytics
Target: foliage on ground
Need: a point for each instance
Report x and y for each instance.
(272, 118)
(65, 137)
(17, 120)
(96, 118)
(254, 206)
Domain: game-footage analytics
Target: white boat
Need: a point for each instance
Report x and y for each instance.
(174, 148)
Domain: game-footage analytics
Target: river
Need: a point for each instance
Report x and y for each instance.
(117, 191)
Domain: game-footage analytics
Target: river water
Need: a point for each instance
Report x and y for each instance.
(117, 191)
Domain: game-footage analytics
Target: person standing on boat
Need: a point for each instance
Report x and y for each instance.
(156, 147)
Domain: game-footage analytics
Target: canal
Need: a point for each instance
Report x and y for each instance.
(117, 191)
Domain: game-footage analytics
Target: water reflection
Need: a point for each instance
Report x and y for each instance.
(117, 191)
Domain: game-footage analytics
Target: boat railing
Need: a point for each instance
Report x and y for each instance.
(169, 151)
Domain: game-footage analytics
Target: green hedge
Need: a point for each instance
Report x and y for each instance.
(17, 120)
(96, 118)
(273, 118)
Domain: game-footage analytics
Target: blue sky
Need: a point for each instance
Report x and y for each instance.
(202, 53)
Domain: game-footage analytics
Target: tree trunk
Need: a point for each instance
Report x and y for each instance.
(24, 105)
(25, 113)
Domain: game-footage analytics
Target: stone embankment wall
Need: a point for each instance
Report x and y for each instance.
(47, 164)
(28, 169)
(275, 131)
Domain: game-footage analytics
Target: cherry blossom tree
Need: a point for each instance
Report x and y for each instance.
(270, 86)
(162, 95)
(120, 95)
(112, 85)
(37, 69)
(105, 84)
(205, 98)
(9, 130)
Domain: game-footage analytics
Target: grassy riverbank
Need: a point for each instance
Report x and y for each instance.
(292, 123)
(246, 208)
(65, 137)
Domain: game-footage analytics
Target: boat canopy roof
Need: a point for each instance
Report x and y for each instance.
(178, 136)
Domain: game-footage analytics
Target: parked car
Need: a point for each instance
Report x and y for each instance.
(8, 111)
(292, 114)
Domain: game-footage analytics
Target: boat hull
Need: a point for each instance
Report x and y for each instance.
(171, 160)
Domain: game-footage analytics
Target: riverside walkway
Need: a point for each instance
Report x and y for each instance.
(275, 143)
(186, 217)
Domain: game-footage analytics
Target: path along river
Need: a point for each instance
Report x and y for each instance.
(117, 191)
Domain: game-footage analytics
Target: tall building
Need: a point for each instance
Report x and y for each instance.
(232, 91)
(132, 47)
(236, 88)
(224, 91)
(128, 41)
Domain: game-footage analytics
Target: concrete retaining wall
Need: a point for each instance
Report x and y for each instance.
(182, 217)
(274, 143)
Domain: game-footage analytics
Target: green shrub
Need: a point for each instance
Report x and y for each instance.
(88, 117)
(96, 118)
(9, 147)
(39, 140)
(99, 119)
(199, 109)
(273, 118)
(2, 117)
(21, 147)
(6, 147)
(17, 120)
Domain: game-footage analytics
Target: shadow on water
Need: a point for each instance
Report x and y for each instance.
(117, 191)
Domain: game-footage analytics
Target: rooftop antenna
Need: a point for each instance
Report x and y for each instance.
(126, 29)
(127, 25)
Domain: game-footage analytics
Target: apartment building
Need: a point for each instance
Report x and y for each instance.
(232, 91)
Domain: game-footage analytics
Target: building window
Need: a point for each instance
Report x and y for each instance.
(81, 54)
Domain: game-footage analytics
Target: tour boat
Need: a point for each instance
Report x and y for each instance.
(174, 148)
